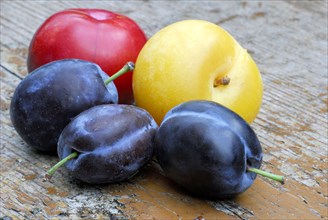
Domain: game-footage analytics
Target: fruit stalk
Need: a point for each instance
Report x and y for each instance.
(275, 177)
(126, 68)
(53, 169)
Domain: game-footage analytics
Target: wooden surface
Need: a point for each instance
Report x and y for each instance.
(288, 41)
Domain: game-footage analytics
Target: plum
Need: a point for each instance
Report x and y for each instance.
(106, 143)
(47, 99)
(208, 149)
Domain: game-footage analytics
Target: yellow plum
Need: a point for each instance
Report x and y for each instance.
(196, 60)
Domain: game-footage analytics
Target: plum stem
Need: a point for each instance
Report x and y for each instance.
(267, 174)
(126, 68)
(53, 169)
(222, 81)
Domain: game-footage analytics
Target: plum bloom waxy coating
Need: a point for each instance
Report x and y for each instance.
(48, 98)
(206, 148)
(196, 60)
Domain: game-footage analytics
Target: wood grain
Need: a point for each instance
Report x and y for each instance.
(288, 41)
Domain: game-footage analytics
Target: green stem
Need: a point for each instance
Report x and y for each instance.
(53, 169)
(267, 174)
(126, 68)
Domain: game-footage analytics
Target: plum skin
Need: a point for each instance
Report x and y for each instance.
(205, 148)
(113, 141)
(47, 99)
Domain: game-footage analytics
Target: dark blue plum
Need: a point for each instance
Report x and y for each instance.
(112, 141)
(48, 98)
(206, 148)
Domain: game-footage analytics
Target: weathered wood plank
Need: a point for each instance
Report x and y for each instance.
(287, 39)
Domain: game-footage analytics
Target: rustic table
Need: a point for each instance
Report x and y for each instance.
(288, 41)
